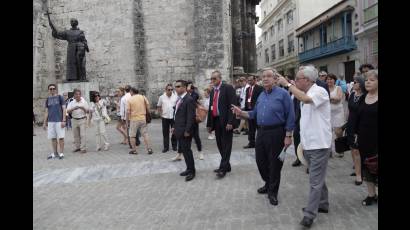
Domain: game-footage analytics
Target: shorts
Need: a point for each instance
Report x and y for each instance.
(135, 125)
(55, 130)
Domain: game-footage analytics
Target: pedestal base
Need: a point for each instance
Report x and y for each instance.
(85, 87)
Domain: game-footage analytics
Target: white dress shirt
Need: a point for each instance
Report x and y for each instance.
(167, 105)
(78, 113)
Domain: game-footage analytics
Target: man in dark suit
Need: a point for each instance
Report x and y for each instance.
(184, 119)
(221, 119)
(195, 96)
(252, 94)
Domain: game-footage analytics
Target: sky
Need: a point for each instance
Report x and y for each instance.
(258, 31)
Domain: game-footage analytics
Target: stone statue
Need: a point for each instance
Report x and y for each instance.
(76, 48)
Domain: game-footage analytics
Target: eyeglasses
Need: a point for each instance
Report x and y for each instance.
(52, 89)
(177, 86)
(169, 89)
(297, 79)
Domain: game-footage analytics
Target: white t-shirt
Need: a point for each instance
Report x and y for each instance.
(96, 116)
(243, 95)
(315, 128)
(167, 105)
(78, 113)
(123, 105)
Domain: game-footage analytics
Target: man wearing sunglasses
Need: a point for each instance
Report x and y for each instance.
(221, 119)
(55, 118)
(165, 106)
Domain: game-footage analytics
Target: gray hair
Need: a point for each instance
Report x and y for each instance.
(309, 72)
(271, 69)
(373, 72)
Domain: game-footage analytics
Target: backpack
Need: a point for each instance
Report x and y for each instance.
(200, 113)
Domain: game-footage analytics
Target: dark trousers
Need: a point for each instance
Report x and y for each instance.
(224, 143)
(252, 131)
(166, 125)
(269, 144)
(296, 139)
(196, 137)
(185, 145)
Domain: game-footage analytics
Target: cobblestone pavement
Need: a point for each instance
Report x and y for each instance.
(115, 190)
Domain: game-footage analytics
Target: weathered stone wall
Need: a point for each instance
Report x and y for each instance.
(144, 43)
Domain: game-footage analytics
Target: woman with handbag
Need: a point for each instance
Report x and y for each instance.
(357, 95)
(366, 128)
(98, 114)
(337, 118)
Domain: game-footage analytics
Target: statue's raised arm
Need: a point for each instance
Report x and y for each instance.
(56, 34)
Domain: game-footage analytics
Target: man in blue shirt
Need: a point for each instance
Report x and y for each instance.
(54, 120)
(275, 118)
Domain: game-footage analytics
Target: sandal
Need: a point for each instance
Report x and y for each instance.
(150, 151)
(133, 152)
(369, 200)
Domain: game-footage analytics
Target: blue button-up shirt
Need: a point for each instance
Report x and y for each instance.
(274, 108)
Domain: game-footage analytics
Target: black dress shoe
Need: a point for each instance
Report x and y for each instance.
(296, 163)
(273, 200)
(165, 150)
(307, 222)
(221, 174)
(174, 149)
(249, 146)
(321, 210)
(245, 133)
(185, 173)
(190, 176)
(217, 170)
(236, 131)
(263, 190)
(358, 182)
(353, 174)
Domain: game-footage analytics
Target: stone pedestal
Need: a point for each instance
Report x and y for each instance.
(85, 87)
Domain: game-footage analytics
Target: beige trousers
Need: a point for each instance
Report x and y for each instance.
(79, 133)
(100, 134)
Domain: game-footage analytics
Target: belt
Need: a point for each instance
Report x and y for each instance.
(79, 118)
(270, 127)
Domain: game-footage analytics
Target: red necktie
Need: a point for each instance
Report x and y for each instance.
(215, 103)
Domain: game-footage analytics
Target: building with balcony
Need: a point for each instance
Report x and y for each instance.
(367, 31)
(277, 45)
(328, 42)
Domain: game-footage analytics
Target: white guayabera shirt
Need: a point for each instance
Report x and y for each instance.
(315, 127)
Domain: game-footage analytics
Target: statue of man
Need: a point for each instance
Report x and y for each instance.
(77, 45)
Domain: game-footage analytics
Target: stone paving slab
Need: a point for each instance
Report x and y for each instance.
(115, 190)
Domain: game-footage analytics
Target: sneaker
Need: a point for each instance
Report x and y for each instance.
(51, 156)
(106, 147)
(211, 137)
(201, 156)
(178, 157)
(61, 156)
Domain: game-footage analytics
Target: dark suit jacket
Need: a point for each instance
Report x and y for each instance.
(227, 96)
(257, 89)
(185, 117)
(195, 96)
(323, 84)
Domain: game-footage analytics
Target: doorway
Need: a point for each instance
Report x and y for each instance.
(349, 71)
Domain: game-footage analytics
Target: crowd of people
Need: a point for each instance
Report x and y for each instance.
(274, 111)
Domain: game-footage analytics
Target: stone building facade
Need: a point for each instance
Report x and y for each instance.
(144, 43)
(278, 46)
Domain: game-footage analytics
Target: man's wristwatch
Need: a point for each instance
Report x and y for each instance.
(289, 85)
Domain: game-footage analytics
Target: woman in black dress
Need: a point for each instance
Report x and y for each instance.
(367, 131)
(355, 99)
